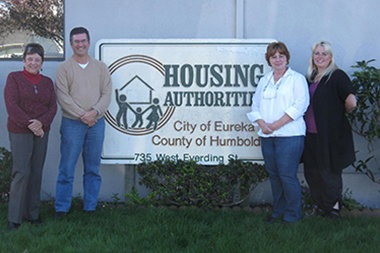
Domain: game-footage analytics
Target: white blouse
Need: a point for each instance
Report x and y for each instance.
(271, 101)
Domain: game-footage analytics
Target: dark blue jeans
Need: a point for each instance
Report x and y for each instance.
(282, 156)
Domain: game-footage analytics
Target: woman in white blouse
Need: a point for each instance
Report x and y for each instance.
(278, 106)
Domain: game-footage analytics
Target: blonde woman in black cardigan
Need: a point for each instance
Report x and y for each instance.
(329, 146)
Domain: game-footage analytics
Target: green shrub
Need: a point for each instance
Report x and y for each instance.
(134, 199)
(350, 203)
(186, 183)
(5, 172)
(365, 119)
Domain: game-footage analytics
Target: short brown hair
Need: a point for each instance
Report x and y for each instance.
(33, 48)
(275, 47)
(79, 30)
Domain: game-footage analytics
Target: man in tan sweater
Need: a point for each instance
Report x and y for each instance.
(84, 89)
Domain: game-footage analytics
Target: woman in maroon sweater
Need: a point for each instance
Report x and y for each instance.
(31, 105)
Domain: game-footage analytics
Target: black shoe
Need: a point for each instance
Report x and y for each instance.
(12, 225)
(320, 212)
(334, 214)
(59, 215)
(286, 222)
(35, 222)
(271, 220)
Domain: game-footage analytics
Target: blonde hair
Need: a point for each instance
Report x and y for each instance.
(312, 72)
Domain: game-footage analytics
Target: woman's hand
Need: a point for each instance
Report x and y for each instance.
(350, 103)
(35, 125)
(40, 133)
(264, 126)
(281, 122)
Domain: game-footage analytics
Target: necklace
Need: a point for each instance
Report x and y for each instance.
(275, 84)
(270, 91)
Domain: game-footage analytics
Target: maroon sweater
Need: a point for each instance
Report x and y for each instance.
(25, 101)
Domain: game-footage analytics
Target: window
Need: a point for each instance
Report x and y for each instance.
(26, 21)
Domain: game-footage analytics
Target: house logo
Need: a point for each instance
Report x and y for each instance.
(136, 106)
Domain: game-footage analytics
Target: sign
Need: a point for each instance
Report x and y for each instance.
(181, 99)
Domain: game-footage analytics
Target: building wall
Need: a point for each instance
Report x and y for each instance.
(351, 27)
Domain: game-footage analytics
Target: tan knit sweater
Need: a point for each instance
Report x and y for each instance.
(80, 90)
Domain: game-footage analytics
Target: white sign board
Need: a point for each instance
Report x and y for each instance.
(181, 99)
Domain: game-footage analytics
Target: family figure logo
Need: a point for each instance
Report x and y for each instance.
(139, 109)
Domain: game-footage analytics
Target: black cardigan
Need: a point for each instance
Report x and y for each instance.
(335, 141)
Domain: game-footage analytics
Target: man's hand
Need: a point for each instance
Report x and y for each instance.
(89, 118)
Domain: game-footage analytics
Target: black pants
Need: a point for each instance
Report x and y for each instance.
(324, 183)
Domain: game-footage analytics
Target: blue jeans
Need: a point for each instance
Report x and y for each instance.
(75, 137)
(282, 156)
